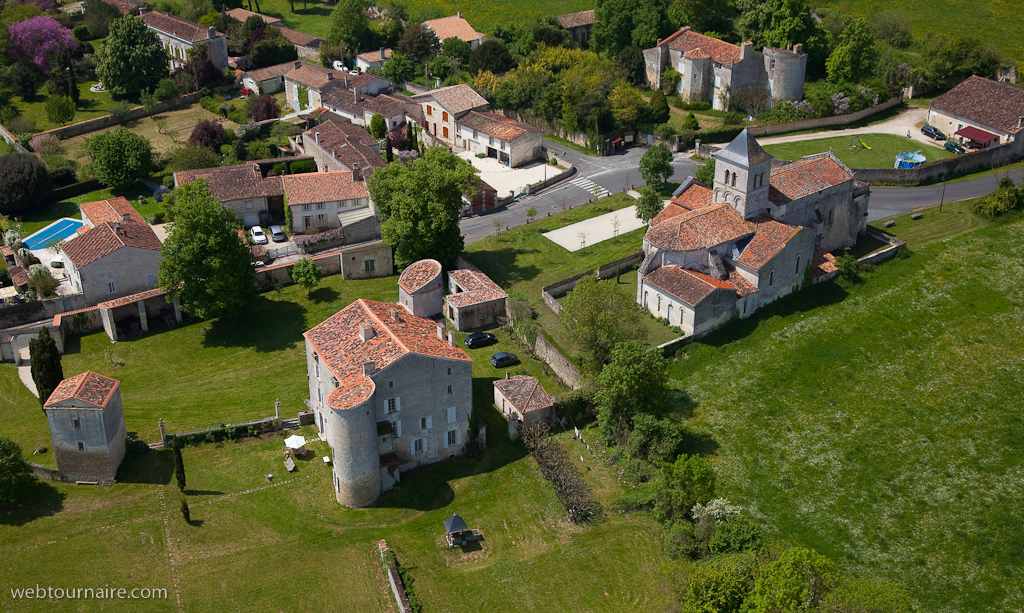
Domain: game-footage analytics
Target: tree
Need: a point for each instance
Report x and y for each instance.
(531, 213)
(854, 57)
(631, 64)
(690, 122)
(38, 39)
(628, 106)
(706, 16)
(307, 274)
(265, 107)
(598, 316)
(455, 47)
(656, 164)
(348, 26)
(418, 43)
(63, 82)
(14, 471)
(622, 23)
(398, 69)
(208, 133)
(420, 203)
(378, 127)
(179, 464)
(60, 109)
(185, 512)
(119, 157)
(47, 371)
(737, 534)
(24, 183)
(659, 108)
(389, 153)
(867, 596)
(204, 261)
(491, 55)
(682, 484)
(1007, 197)
(706, 173)
(98, 16)
(193, 156)
(797, 581)
(132, 59)
(634, 381)
(649, 204)
(22, 78)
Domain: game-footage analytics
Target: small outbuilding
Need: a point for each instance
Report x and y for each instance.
(475, 301)
(523, 402)
(87, 427)
(455, 530)
(420, 288)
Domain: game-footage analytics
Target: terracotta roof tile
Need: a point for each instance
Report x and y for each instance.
(805, 177)
(300, 38)
(695, 196)
(242, 14)
(456, 98)
(108, 237)
(19, 276)
(718, 50)
(702, 228)
(312, 187)
(123, 7)
(271, 72)
(375, 56)
(338, 344)
(496, 125)
(344, 99)
(454, 26)
(6, 251)
(87, 387)
(575, 20)
(110, 210)
(689, 286)
(314, 77)
(991, 103)
(59, 317)
(419, 274)
(125, 300)
(178, 27)
(743, 287)
(477, 288)
(824, 263)
(233, 182)
(525, 393)
(769, 240)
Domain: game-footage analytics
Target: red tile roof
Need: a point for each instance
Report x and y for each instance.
(300, 38)
(123, 7)
(125, 300)
(805, 177)
(59, 317)
(6, 251)
(19, 276)
(108, 237)
(525, 393)
(743, 287)
(87, 387)
(242, 14)
(272, 72)
(233, 182)
(454, 26)
(769, 240)
(477, 288)
(178, 27)
(496, 125)
(346, 142)
(719, 50)
(312, 187)
(991, 103)
(824, 263)
(575, 20)
(689, 286)
(702, 228)
(313, 76)
(695, 196)
(338, 343)
(371, 57)
(419, 274)
(110, 210)
(456, 98)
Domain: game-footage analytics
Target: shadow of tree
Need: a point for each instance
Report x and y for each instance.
(38, 499)
(501, 265)
(266, 325)
(324, 294)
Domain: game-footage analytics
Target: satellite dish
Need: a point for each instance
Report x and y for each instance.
(338, 65)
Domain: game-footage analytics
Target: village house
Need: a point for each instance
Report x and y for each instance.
(441, 108)
(87, 427)
(350, 103)
(245, 189)
(580, 25)
(267, 80)
(337, 144)
(179, 36)
(335, 199)
(979, 112)
(306, 46)
(373, 59)
(455, 27)
(116, 253)
(474, 301)
(757, 234)
(509, 141)
(390, 391)
(421, 290)
(523, 402)
(318, 80)
(712, 70)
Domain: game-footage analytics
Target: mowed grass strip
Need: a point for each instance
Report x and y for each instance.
(955, 218)
(882, 152)
(874, 422)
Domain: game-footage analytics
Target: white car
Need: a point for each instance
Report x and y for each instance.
(257, 235)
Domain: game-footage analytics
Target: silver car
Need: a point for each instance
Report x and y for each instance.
(277, 234)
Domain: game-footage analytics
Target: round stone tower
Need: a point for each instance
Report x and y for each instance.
(786, 70)
(353, 434)
(420, 289)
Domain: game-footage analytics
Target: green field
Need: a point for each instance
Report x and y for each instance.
(882, 153)
(877, 422)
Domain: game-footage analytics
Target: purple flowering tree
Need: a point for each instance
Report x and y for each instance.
(840, 104)
(38, 39)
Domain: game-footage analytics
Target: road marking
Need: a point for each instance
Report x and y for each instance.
(590, 186)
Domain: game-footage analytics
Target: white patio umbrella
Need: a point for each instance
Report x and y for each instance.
(294, 442)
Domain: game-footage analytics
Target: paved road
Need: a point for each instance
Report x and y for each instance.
(886, 201)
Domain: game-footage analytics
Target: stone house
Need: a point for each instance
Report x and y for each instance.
(179, 36)
(115, 254)
(307, 46)
(757, 234)
(580, 25)
(509, 141)
(373, 59)
(983, 109)
(334, 199)
(441, 108)
(713, 70)
(267, 80)
(455, 26)
(420, 289)
(523, 402)
(358, 107)
(390, 392)
(319, 80)
(241, 15)
(243, 188)
(87, 427)
(474, 300)
(337, 144)
(366, 260)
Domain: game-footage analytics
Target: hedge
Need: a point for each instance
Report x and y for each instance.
(719, 135)
(300, 166)
(75, 189)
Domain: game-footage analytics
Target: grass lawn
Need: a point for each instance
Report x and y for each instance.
(48, 213)
(90, 106)
(875, 421)
(955, 219)
(882, 154)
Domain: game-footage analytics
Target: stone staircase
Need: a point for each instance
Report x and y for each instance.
(290, 424)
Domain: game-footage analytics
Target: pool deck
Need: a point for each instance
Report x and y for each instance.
(43, 237)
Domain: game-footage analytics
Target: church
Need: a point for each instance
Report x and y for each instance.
(761, 230)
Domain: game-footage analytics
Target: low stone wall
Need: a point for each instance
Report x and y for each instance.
(551, 356)
(41, 310)
(415, 88)
(549, 127)
(822, 122)
(608, 271)
(10, 138)
(669, 348)
(43, 472)
(888, 253)
(551, 293)
(281, 274)
(562, 176)
(79, 321)
(957, 165)
(394, 579)
(108, 121)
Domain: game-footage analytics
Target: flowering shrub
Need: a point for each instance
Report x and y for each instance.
(719, 508)
(38, 39)
(305, 242)
(840, 104)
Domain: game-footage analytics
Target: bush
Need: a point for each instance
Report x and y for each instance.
(1007, 197)
(166, 89)
(265, 107)
(207, 133)
(555, 465)
(737, 535)
(724, 134)
(690, 122)
(572, 404)
(119, 110)
(81, 33)
(212, 104)
(278, 169)
(192, 157)
(24, 183)
(733, 118)
(639, 499)
(63, 175)
(301, 166)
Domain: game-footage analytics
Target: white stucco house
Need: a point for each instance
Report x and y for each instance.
(179, 36)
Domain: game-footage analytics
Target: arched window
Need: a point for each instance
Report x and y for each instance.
(797, 271)
(734, 179)
(771, 277)
(645, 299)
(727, 177)
(670, 314)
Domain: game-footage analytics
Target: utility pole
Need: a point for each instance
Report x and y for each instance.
(943, 198)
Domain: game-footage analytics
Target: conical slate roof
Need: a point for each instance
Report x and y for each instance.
(454, 524)
(743, 151)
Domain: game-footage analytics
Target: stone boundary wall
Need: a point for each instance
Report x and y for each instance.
(280, 274)
(956, 165)
(79, 321)
(551, 293)
(563, 367)
(821, 122)
(888, 253)
(415, 88)
(108, 121)
(549, 127)
(394, 579)
(607, 271)
(43, 472)
(46, 310)
(251, 422)
(10, 138)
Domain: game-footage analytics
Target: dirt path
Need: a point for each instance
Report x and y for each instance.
(907, 121)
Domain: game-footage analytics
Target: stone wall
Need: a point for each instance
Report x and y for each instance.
(352, 260)
(394, 579)
(42, 310)
(10, 138)
(888, 253)
(621, 265)
(957, 165)
(562, 366)
(43, 472)
(108, 121)
(822, 122)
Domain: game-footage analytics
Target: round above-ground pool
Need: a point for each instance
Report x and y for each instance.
(57, 231)
(909, 160)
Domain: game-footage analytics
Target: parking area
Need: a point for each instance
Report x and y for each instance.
(509, 181)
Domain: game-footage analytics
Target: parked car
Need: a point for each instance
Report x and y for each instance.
(245, 91)
(57, 263)
(277, 234)
(933, 132)
(257, 235)
(953, 147)
(500, 360)
(480, 339)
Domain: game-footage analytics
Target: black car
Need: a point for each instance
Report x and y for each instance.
(480, 339)
(500, 360)
(933, 132)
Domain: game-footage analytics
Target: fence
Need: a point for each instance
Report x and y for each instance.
(822, 122)
(936, 171)
(108, 121)
(280, 252)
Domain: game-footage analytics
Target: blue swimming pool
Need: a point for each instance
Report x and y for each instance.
(58, 230)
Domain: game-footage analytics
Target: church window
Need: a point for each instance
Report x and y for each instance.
(669, 315)
(659, 303)
(645, 299)
(734, 179)
(771, 277)
(727, 177)
(797, 271)
(830, 212)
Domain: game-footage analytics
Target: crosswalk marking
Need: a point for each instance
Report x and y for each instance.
(590, 186)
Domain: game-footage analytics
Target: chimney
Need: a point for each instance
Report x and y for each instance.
(798, 48)
(745, 49)
(344, 79)
(1020, 122)
(357, 174)
(365, 332)
(355, 96)
(451, 338)
(508, 374)
(382, 53)
(126, 216)
(330, 75)
(369, 368)
(458, 14)
(316, 137)
(394, 315)
(142, 10)
(212, 31)
(440, 331)
(298, 63)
